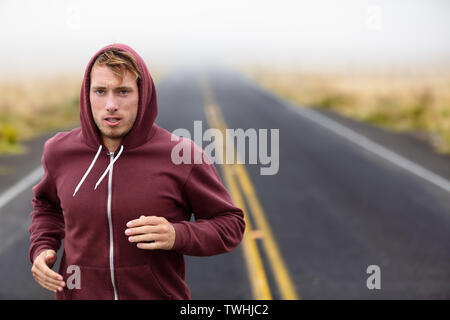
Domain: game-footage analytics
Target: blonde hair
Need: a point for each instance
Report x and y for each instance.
(118, 61)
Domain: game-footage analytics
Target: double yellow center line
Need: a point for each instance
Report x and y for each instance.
(241, 187)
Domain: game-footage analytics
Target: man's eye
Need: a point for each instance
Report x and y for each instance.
(100, 91)
(123, 92)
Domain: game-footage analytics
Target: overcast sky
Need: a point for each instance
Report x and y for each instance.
(62, 35)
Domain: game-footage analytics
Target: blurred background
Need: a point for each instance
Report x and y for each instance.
(384, 62)
(380, 68)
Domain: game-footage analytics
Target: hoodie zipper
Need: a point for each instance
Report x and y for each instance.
(111, 240)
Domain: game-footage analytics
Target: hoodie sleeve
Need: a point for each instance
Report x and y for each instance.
(47, 221)
(219, 225)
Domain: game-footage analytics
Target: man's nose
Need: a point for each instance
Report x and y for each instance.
(111, 105)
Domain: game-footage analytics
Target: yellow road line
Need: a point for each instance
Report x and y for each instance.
(284, 281)
(281, 273)
(255, 267)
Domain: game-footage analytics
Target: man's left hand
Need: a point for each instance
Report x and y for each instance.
(151, 233)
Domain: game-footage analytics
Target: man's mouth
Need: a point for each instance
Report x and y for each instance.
(112, 121)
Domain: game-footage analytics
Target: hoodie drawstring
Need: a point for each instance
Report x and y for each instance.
(108, 168)
(92, 164)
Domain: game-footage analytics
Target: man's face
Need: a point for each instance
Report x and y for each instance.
(114, 104)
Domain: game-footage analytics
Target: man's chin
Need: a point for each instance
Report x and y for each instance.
(113, 136)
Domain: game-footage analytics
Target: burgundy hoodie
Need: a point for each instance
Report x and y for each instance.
(143, 180)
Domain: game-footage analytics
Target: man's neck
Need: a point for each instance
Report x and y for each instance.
(111, 144)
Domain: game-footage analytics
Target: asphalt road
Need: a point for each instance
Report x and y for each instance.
(334, 208)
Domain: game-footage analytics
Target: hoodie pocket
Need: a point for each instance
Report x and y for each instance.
(91, 283)
(140, 283)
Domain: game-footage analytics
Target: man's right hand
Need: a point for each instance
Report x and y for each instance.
(43, 274)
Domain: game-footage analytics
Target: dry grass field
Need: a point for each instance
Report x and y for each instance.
(413, 102)
(34, 106)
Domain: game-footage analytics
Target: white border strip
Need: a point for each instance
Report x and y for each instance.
(20, 186)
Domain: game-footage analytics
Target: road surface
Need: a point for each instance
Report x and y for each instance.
(346, 196)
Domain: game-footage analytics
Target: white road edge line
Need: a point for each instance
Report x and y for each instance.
(374, 147)
(358, 139)
(20, 186)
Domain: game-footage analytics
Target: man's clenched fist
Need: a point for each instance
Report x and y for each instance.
(151, 233)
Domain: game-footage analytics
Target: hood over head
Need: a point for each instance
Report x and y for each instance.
(147, 108)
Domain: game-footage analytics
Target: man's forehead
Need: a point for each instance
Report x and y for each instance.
(102, 76)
